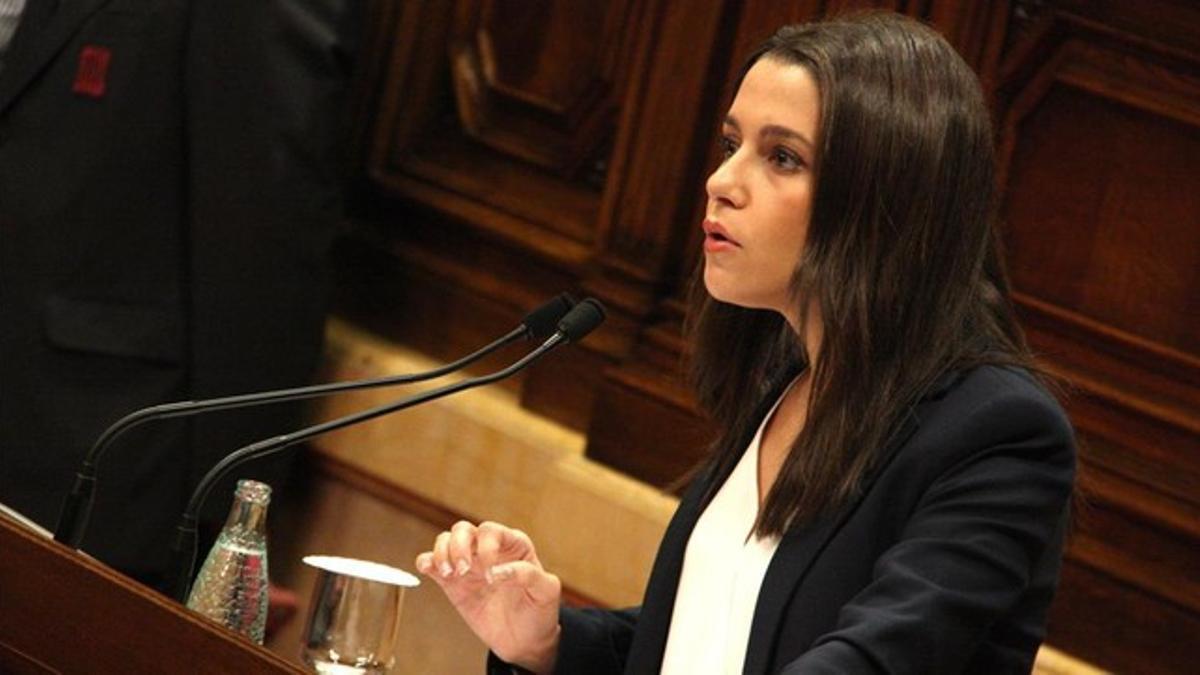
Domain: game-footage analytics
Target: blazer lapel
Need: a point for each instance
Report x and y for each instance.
(45, 29)
(654, 620)
(658, 604)
(792, 560)
(795, 555)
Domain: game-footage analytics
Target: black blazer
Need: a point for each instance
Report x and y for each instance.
(947, 563)
(168, 190)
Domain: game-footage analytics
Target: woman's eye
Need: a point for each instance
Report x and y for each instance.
(728, 147)
(786, 159)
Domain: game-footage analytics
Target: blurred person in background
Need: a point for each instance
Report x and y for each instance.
(169, 185)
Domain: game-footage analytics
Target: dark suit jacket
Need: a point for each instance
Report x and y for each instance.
(168, 188)
(947, 563)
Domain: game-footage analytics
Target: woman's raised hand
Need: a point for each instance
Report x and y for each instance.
(492, 576)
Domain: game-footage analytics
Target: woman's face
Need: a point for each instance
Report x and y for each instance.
(759, 198)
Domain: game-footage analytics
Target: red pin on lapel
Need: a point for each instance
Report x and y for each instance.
(92, 77)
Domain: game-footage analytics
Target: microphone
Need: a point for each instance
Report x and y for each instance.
(581, 320)
(73, 517)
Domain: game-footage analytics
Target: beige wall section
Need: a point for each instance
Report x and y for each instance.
(477, 455)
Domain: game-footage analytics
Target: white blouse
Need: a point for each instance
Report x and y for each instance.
(723, 569)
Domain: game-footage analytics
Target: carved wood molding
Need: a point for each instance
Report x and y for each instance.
(539, 79)
(482, 128)
(1064, 49)
(1133, 533)
(1157, 382)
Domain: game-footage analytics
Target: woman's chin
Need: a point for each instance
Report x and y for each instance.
(718, 284)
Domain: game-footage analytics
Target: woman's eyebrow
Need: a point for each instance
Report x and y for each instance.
(777, 131)
(774, 131)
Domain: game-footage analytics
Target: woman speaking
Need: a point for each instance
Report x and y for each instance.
(890, 489)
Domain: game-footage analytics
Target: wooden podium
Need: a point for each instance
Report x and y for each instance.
(63, 612)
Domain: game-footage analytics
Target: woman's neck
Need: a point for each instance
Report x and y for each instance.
(810, 331)
(781, 431)
(791, 415)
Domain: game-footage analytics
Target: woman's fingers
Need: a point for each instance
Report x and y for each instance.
(453, 551)
(496, 543)
(441, 555)
(488, 545)
(461, 547)
(541, 587)
(424, 563)
(491, 575)
(466, 546)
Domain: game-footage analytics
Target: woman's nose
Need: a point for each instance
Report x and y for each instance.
(726, 184)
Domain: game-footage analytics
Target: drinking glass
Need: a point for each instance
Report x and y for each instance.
(353, 621)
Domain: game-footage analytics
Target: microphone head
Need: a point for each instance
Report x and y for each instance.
(542, 322)
(581, 320)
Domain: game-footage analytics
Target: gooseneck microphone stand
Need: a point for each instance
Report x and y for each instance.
(77, 506)
(577, 323)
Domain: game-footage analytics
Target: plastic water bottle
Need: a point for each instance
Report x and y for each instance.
(232, 585)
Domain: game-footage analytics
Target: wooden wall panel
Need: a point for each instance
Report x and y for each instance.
(488, 160)
(1103, 159)
(1099, 133)
(1122, 632)
(451, 132)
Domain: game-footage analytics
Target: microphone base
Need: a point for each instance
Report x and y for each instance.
(77, 508)
(183, 559)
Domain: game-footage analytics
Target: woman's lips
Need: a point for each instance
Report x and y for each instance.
(716, 238)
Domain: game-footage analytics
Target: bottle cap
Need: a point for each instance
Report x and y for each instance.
(254, 492)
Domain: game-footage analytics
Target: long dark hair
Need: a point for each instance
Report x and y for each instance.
(902, 258)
